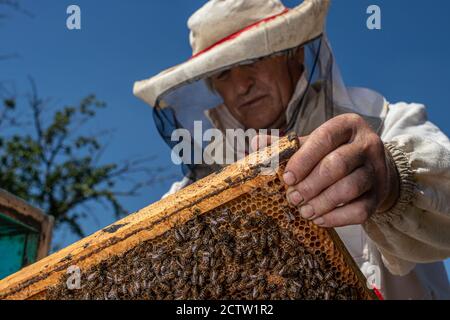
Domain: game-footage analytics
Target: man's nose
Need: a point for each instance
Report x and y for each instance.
(242, 80)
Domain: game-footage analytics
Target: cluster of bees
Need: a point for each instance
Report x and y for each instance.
(220, 255)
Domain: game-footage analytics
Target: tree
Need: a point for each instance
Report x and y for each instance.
(46, 160)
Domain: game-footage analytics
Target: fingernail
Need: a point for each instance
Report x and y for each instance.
(289, 178)
(295, 198)
(319, 221)
(307, 211)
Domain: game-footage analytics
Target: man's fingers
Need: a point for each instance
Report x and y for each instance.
(354, 213)
(321, 142)
(344, 191)
(331, 169)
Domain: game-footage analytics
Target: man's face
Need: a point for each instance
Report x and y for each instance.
(257, 94)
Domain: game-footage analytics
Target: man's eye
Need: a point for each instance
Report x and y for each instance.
(222, 75)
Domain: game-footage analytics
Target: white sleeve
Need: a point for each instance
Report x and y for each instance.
(417, 228)
(177, 186)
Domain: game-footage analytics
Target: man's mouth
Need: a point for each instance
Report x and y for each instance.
(251, 102)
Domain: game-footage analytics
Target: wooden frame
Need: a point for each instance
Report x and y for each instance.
(201, 197)
(21, 211)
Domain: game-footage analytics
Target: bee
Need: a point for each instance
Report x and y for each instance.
(319, 275)
(237, 258)
(309, 259)
(234, 275)
(197, 232)
(272, 263)
(212, 221)
(236, 222)
(308, 272)
(289, 216)
(244, 236)
(176, 262)
(194, 293)
(341, 297)
(214, 277)
(194, 280)
(265, 263)
(303, 261)
(206, 237)
(283, 271)
(169, 276)
(328, 275)
(218, 291)
(276, 253)
(205, 260)
(263, 240)
(312, 294)
(265, 296)
(227, 252)
(203, 294)
(272, 287)
(201, 280)
(316, 264)
(195, 269)
(241, 286)
(179, 235)
(91, 276)
(255, 239)
(194, 249)
(333, 284)
(255, 293)
(226, 213)
(212, 262)
(213, 229)
(138, 271)
(137, 286)
(221, 220)
(314, 282)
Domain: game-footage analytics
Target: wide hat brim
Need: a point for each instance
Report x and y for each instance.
(288, 30)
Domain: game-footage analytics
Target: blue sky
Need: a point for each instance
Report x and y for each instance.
(123, 41)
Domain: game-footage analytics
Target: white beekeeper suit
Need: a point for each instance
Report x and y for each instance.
(401, 250)
(405, 242)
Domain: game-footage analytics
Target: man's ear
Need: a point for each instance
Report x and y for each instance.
(300, 55)
(296, 63)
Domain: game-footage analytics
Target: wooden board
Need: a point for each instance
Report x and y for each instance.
(239, 179)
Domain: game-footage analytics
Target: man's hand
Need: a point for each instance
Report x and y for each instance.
(342, 174)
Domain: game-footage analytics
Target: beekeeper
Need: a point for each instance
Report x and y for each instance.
(376, 171)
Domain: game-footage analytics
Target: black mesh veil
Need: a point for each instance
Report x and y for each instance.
(320, 95)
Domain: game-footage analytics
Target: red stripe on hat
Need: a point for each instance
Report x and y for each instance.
(238, 33)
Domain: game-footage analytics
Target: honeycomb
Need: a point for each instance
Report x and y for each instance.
(231, 235)
(253, 247)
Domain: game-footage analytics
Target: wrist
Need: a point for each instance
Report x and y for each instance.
(392, 186)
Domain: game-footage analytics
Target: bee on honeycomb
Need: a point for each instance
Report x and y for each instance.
(223, 254)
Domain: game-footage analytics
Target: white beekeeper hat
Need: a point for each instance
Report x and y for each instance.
(226, 32)
(229, 33)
